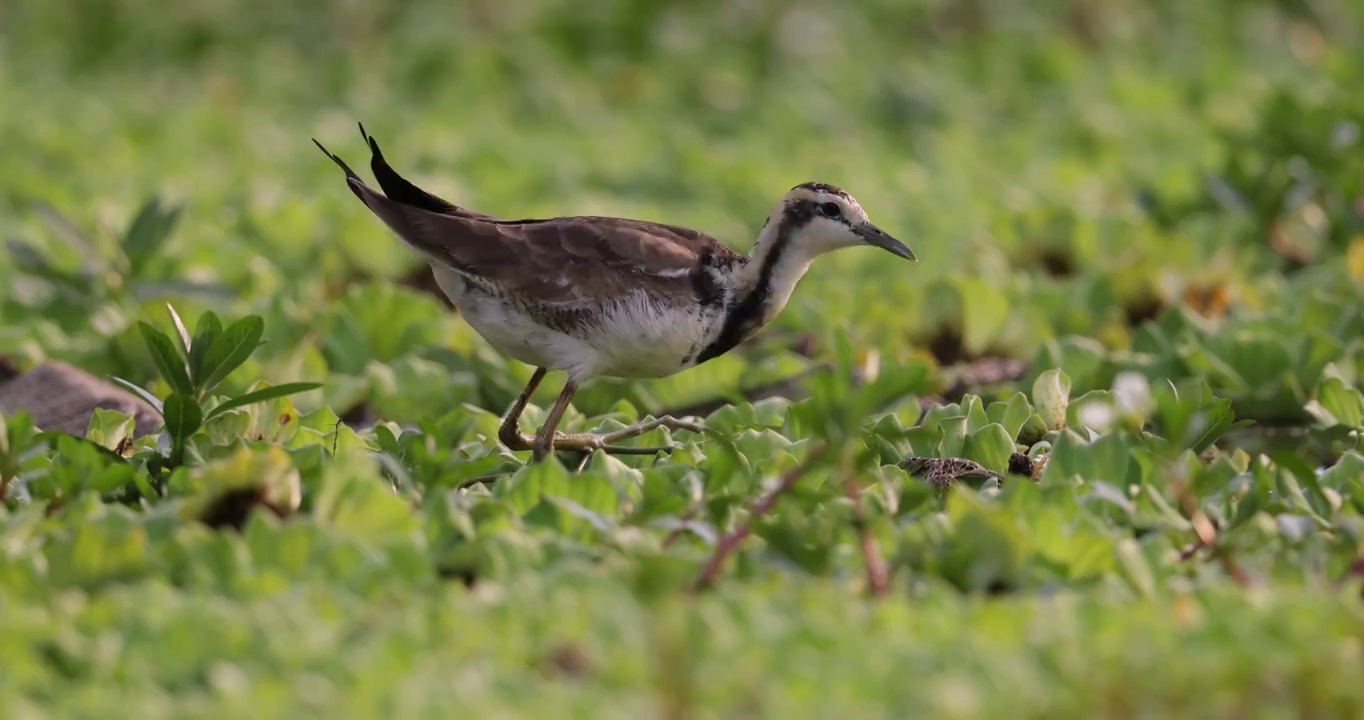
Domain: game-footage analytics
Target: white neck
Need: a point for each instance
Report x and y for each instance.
(759, 288)
(782, 260)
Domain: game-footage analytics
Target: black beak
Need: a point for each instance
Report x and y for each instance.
(880, 238)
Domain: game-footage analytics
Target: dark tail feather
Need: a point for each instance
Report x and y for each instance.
(398, 188)
(350, 174)
(431, 234)
(408, 220)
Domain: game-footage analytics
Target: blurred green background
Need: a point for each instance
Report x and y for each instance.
(1169, 187)
(1061, 167)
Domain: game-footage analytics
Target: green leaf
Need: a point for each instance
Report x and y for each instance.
(17, 434)
(1337, 404)
(953, 436)
(1051, 396)
(147, 233)
(227, 427)
(93, 554)
(985, 311)
(168, 360)
(274, 420)
(575, 518)
(139, 391)
(30, 259)
(1255, 499)
(925, 440)
(1013, 415)
(531, 483)
(143, 483)
(183, 416)
(109, 428)
(1347, 478)
(323, 427)
(975, 413)
(1301, 486)
(1260, 358)
(206, 332)
(231, 349)
(69, 444)
(181, 331)
(357, 502)
(990, 446)
(69, 232)
(268, 393)
(986, 547)
(1135, 568)
(269, 472)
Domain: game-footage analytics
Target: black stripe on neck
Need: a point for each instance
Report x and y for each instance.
(745, 315)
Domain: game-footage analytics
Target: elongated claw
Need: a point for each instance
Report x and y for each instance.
(586, 443)
(589, 443)
(666, 421)
(550, 439)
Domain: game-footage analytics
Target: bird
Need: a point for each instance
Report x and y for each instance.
(943, 472)
(595, 296)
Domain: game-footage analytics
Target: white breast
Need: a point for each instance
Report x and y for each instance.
(638, 337)
(634, 336)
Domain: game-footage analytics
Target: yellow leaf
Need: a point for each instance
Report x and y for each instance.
(1354, 257)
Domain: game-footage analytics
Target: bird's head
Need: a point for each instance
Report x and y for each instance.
(820, 218)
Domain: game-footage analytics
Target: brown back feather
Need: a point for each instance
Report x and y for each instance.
(570, 262)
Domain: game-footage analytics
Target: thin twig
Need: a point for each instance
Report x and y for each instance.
(1232, 567)
(1204, 531)
(878, 578)
(1205, 534)
(484, 479)
(1356, 570)
(677, 531)
(763, 505)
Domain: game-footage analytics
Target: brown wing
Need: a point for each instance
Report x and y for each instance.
(572, 262)
(567, 262)
(398, 188)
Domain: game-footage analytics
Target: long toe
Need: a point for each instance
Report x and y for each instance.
(630, 450)
(643, 427)
(580, 442)
(587, 443)
(677, 424)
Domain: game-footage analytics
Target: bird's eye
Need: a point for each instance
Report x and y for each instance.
(830, 210)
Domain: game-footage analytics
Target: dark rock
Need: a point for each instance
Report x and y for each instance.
(62, 398)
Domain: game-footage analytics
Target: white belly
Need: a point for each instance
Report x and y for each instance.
(633, 337)
(509, 332)
(640, 338)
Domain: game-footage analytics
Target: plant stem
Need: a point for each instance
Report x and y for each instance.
(177, 457)
(677, 531)
(760, 507)
(1205, 534)
(878, 578)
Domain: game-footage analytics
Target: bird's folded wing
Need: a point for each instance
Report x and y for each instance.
(571, 262)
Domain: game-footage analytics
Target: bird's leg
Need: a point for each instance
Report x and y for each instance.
(549, 439)
(546, 439)
(510, 431)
